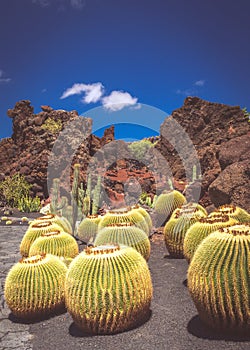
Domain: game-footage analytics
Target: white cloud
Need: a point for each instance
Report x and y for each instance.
(199, 83)
(186, 92)
(42, 3)
(77, 4)
(117, 100)
(93, 92)
(3, 79)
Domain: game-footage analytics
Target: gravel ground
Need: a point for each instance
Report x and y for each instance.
(173, 324)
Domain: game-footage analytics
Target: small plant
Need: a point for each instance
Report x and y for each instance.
(14, 188)
(140, 148)
(53, 126)
(4, 218)
(28, 204)
(8, 222)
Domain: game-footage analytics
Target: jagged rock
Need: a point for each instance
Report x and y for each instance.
(46, 109)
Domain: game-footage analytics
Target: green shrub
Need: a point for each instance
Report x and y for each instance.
(140, 148)
(13, 188)
(28, 204)
(54, 126)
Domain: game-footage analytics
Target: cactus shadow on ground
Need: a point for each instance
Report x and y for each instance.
(75, 331)
(37, 319)
(197, 328)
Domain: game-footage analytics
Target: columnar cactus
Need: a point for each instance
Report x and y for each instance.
(237, 213)
(108, 289)
(201, 229)
(124, 215)
(34, 287)
(126, 234)
(34, 231)
(218, 279)
(87, 230)
(176, 228)
(56, 243)
(59, 220)
(166, 203)
(145, 214)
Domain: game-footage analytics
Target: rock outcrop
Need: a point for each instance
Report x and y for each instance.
(220, 135)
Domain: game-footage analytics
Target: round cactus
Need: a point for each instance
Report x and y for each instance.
(34, 287)
(124, 215)
(108, 289)
(166, 203)
(34, 231)
(59, 220)
(201, 229)
(218, 279)
(127, 234)
(190, 208)
(237, 213)
(87, 230)
(176, 228)
(56, 243)
(145, 214)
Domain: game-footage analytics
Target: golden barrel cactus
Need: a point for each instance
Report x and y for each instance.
(166, 203)
(201, 229)
(108, 289)
(35, 230)
(55, 243)
(34, 287)
(87, 230)
(176, 228)
(234, 212)
(219, 279)
(124, 215)
(59, 220)
(127, 234)
(145, 214)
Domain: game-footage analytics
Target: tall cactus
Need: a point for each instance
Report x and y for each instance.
(218, 279)
(34, 287)
(108, 289)
(57, 203)
(96, 196)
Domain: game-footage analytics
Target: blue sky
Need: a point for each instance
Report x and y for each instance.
(121, 55)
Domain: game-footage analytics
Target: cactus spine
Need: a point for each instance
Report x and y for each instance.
(55, 243)
(34, 287)
(108, 289)
(33, 232)
(176, 228)
(59, 220)
(201, 229)
(125, 234)
(218, 279)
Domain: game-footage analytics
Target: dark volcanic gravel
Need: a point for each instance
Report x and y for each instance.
(173, 325)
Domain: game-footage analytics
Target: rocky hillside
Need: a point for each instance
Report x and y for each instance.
(220, 134)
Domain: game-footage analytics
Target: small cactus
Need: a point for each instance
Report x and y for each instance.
(201, 229)
(176, 228)
(108, 289)
(218, 279)
(124, 215)
(55, 243)
(87, 230)
(34, 231)
(166, 203)
(126, 234)
(8, 222)
(34, 287)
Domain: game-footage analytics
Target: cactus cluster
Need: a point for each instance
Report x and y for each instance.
(166, 203)
(35, 230)
(34, 286)
(176, 228)
(201, 229)
(124, 215)
(218, 279)
(56, 243)
(87, 230)
(108, 289)
(126, 234)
